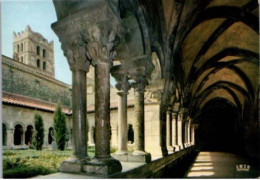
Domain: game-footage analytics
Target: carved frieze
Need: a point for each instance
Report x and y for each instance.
(152, 96)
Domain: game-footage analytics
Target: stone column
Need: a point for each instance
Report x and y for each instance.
(188, 138)
(192, 134)
(139, 148)
(91, 136)
(169, 132)
(180, 143)
(185, 133)
(10, 138)
(74, 48)
(122, 122)
(139, 120)
(175, 131)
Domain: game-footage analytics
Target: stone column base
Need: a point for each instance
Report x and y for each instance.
(142, 158)
(170, 149)
(181, 146)
(73, 165)
(176, 148)
(104, 166)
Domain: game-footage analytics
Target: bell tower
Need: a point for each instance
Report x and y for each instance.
(33, 49)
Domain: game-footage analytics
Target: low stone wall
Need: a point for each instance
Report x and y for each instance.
(158, 168)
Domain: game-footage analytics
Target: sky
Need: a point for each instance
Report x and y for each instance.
(39, 15)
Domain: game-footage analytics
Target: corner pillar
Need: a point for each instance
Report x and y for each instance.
(180, 142)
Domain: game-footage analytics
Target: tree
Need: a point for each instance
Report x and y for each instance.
(38, 139)
(60, 129)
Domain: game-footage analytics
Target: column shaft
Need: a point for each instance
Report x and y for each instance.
(139, 121)
(80, 128)
(188, 134)
(180, 133)
(174, 130)
(163, 132)
(169, 129)
(102, 110)
(122, 122)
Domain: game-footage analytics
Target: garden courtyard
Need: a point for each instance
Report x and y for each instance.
(29, 163)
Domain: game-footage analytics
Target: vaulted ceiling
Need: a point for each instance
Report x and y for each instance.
(208, 49)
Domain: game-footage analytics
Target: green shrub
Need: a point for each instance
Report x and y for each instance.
(38, 138)
(60, 129)
(26, 171)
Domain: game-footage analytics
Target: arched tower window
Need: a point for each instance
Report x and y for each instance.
(43, 53)
(28, 135)
(38, 63)
(44, 65)
(51, 135)
(21, 47)
(22, 59)
(18, 49)
(38, 50)
(4, 134)
(18, 134)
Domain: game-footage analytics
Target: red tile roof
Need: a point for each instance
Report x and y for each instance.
(16, 99)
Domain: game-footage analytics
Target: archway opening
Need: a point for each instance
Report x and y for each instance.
(18, 135)
(218, 127)
(130, 133)
(28, 135)
(51, 135)
(4, 135)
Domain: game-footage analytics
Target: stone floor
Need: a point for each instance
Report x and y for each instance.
(125, 165)
(221, 165)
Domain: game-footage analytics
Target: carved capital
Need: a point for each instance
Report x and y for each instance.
(74, 49)
(153, 96)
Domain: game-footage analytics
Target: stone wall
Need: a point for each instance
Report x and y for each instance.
(29, 81)
(13, 115)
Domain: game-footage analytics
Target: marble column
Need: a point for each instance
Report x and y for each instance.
(180, 141)
(79, 113)
(139, 121)
(169, 132)
(175, 132)
(192, 135)
(185, 133)
(188, 134)
(91, 136)
(122, 122)
(102, 110)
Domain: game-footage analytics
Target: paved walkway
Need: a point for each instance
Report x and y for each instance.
(221, 165)
(126, 166)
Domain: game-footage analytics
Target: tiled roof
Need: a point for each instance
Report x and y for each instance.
(16, 99)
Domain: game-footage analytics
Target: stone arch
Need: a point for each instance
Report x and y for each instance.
(4, 134)
(51, 135)
(157, 72)
(18, 134)
(29, 135)
(130, 133)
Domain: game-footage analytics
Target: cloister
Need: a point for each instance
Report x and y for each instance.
(207, 90)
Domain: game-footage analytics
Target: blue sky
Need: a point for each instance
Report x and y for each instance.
(39, 15)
